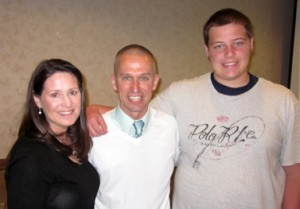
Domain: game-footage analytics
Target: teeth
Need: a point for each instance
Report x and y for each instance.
(135, 98)
(65, 112)
(229, 64)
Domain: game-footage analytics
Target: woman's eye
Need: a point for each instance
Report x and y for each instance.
(54, 94)
(73, 93)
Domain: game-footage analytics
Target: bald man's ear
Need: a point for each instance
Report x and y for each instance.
(156, 81)
(113, 82)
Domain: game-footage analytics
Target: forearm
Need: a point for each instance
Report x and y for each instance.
(103, 109)
(291, 198)
(95, 123)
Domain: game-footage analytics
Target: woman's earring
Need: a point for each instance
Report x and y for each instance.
(40, 111)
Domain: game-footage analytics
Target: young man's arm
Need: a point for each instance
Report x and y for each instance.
(95, 122)
(291, 199)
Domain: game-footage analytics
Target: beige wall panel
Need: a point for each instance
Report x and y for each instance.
(88, 33)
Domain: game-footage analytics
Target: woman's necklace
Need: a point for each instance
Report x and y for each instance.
(73, 157)
(66, 141)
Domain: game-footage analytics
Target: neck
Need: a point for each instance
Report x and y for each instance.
(64, 139)
(223, 89)
(243, 80)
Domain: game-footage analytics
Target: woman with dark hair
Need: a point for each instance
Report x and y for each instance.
(48, 166)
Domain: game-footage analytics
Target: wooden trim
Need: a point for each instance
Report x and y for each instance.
(2, 164)
(3, 194)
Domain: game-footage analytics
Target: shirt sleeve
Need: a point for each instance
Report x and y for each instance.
(178, 148)
(291, 150)
(28, 176)
(163, 101)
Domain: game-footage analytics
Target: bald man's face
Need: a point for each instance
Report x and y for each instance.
(134, 81)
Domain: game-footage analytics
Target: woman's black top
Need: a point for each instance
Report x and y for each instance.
(39, 177)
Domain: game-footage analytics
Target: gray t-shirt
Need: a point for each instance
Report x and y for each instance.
(232, 147)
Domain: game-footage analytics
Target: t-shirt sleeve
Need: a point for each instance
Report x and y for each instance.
(163, 101)
(291, 150)
(28, 176)
(178, 148)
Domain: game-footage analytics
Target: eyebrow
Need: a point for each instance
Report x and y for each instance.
(59, 90)
(236, 39)
(128, 74)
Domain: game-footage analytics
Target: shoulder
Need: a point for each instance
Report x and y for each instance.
(191, 82)
(161, 116)
(108, 118)
(164, 124)
(30, 150)
(274, 89)
(180, 91)
(184, 89)
(107, 115)
(31, 145)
